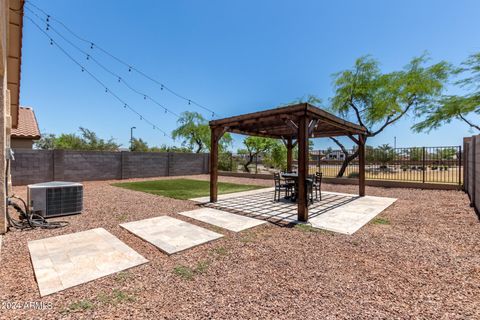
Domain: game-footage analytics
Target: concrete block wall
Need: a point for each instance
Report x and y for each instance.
(144, 164)
(33, 166)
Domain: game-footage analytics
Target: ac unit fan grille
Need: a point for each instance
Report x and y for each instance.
(64, 200)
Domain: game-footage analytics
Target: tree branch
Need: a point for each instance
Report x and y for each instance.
(460, 116)
(389, 119)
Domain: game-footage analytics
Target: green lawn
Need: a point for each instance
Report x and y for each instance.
(183, 188)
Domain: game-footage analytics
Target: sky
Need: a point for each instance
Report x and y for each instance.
(232, 57)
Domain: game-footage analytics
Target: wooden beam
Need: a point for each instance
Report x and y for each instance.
(361, 165)
(302, 201)
(354, 139)
(216, 134)
(289, 146)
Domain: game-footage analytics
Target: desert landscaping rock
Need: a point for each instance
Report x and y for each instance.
(423, 264)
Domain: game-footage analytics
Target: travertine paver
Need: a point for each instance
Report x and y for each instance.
(65, 261)
(169, 234)
(222, 219)
(353, 215)
(338, 212)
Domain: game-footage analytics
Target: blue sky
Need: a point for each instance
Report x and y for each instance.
(231, 56)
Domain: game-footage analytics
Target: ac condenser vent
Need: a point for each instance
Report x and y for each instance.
(56, 198)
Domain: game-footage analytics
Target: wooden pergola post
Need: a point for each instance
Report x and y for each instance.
(361, 165)
(216, 134)
(289, 146)
(302, 201)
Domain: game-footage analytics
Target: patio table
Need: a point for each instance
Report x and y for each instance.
(294, 177)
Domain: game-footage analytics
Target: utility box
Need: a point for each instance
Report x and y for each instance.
(55, 198)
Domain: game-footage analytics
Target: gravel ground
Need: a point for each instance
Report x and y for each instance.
(424, 263)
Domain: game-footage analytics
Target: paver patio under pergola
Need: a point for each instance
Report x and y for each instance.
(294, 124)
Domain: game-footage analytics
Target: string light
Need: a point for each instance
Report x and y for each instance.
(130, 67)
(120, 79)
(52, 42)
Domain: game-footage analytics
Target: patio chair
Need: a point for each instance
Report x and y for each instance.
(279, 187)
(317, 185)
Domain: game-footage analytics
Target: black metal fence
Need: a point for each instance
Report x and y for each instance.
(415, 164)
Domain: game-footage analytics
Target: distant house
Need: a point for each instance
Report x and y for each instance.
(26, 131)
(335, 155)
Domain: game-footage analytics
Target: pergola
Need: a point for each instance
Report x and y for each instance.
(294, 124)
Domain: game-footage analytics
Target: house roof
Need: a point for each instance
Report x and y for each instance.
(14, 59)
(281, 123)
(27, 125)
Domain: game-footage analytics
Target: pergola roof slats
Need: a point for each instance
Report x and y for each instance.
(282, 122)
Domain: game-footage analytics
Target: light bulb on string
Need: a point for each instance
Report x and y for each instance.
(91, 45)
(51, 42)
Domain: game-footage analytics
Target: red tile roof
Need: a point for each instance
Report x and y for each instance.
(27, 125)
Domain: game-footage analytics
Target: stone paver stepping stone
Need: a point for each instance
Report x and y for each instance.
(222, 219)
(350, 217)
(169, 234)
(66, 261)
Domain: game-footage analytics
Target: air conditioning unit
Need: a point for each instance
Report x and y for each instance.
(56, 198)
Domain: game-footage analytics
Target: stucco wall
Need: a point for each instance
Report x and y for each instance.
(4, 106)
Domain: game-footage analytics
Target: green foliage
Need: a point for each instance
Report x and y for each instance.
(81, 305)
(254, 147)
(226, 162)
(276, 157)
(446, 153)
(450, 107)
(415, 154)
(376, 99)
(46, 142)
(87, 140)
(138, 145)
(381, 221)
(195, 133)
(183, 272)
(188, 273)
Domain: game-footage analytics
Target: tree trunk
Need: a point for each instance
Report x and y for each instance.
(348, 158)
(346, 162)
(250, 160)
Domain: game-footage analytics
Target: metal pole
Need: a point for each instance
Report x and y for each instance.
(459, 165)
(424, 169)
(395, 142)
(131, 138)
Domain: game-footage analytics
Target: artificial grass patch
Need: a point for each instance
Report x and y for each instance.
(183, 188)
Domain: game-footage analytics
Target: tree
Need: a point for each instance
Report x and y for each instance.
(384, 154)
(254, 147)
(377, 100)
(138, 145)
(446, 153)
(46, 142)
(452, 107)
(195, 133)
(276, 156)
(87, 140)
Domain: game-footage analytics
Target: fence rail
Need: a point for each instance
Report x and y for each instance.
(415, 164)
(471, 175)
